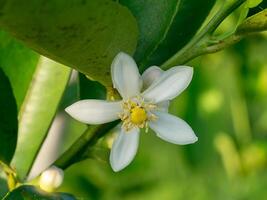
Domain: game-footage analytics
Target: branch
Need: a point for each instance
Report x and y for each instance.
(76, 152)
(220, 45)
(211, 48)
(185, 53)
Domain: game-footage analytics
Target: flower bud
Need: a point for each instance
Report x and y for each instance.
(51, 179)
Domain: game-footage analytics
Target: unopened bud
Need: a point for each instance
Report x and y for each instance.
(51, 179)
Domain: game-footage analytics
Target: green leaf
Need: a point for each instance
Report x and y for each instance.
(27, 192)
(18, 63)
(165, 26)
(91, 89)
(38, 111)
(255, 23)
(258, 8)
(8, 120)
(242, 16)
(3, 186)
(83, 34)
(252, 3)
(245, 9)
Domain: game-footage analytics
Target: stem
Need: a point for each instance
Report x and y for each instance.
(10, 176)
(76, 152)
(213, 48)
(222, 44)
(184, 54)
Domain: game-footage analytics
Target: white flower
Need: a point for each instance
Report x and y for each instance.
(144, 104)
(51, 179)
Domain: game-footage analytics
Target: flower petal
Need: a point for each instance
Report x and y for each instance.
(150, 75)
(163, 106)
(173, 129)
(124, 149)
(94, 111)
(125, 75)
(170, 84)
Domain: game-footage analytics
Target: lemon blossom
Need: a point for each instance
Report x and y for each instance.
(144, 104)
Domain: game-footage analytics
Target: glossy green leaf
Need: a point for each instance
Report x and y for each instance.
(27, 192)
(18, 63)
(83, 34)
(165, 26)
(38, 110)
(255, 23)
(8, 120)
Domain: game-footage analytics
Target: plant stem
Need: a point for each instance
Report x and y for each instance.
(76, 152)
(185, 54)
(221, 44)
(215, 47)
(10, 176)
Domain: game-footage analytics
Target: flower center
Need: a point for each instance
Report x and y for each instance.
(136, 113)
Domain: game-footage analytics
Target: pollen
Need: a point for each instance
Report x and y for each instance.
(138, 115)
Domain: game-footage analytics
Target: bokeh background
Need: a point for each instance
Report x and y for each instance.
(226, 105)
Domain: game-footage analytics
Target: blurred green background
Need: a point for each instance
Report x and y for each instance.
(225, 104)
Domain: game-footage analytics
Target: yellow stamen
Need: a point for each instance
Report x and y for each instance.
(138, 115)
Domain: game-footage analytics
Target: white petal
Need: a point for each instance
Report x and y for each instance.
(150, 75)
(173, 129)
(51, 179)
(94, 111)
(163, 106)
(170, 84)
(124, 149)
(125, 76)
